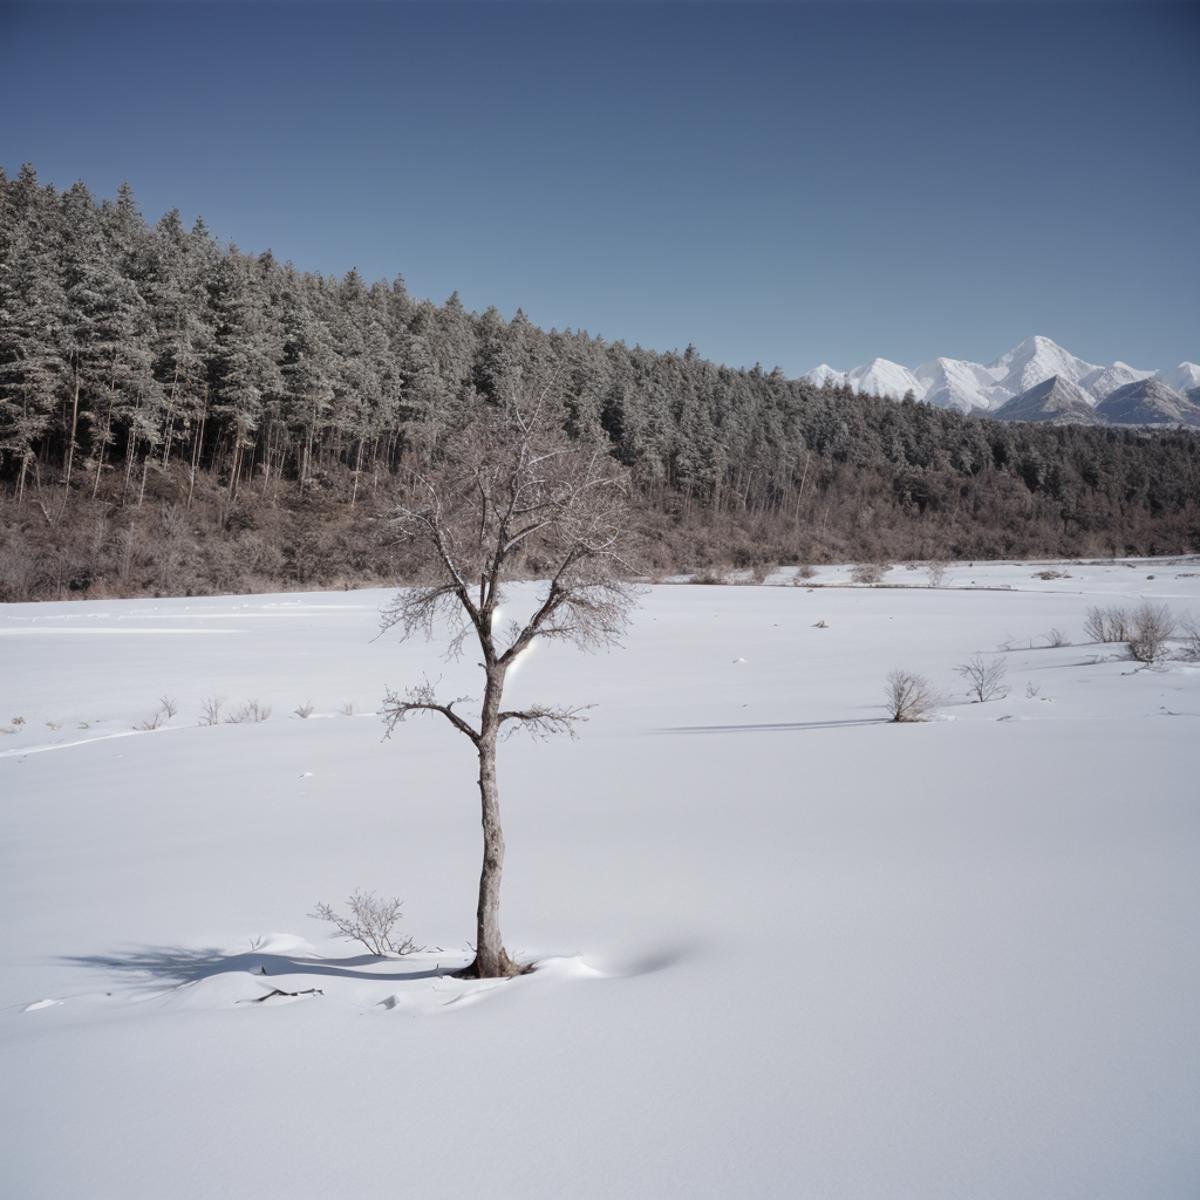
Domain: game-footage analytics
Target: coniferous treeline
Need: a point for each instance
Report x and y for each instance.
(152, 364)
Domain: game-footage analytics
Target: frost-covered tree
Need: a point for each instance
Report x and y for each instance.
(511, 497)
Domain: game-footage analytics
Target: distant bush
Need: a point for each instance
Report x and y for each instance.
(936, 573)
(250, 713)
(1056, 638)
(1191, 640)
(908, 697)
(985, 678)
(1048, 574)
(1151, 625)
(872, 572)
(1106, 624)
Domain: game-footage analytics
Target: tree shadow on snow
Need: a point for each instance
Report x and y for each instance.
(174, 965)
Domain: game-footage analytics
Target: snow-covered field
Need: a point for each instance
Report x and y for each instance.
(789, 950)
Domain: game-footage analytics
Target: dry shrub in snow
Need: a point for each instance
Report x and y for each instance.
(369, 922)
(1056, 638)
(303, 711)
(985, 680)
(803, 571)
(250, 713)
(909, 697)
(167, 708)
(210, 711)
(871, 572)
(1191, 639)
(1106, 624)
(1151, 625)
(936, 573)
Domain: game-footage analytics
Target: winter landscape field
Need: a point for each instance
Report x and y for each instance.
(783, 947)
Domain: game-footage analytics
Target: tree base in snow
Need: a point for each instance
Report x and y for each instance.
(506, 969)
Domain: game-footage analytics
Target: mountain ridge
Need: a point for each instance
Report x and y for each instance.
(987, 388)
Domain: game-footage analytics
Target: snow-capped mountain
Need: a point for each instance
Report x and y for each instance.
(1148, 402)
(956, 383)
(1182, 378)
(978, 387)
(879, 377)
(820, 376)
(882, 377)
(1103, 380)
(1035, 359)
(1056, 400)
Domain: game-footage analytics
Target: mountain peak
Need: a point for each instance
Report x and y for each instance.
(973, 387)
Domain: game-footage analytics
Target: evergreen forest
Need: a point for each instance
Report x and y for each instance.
(178, 416)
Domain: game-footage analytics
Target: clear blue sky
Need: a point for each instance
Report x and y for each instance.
(781, 183)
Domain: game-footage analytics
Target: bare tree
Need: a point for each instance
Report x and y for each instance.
(985, 679)
(908, 697)
(511, 498)
(936, 572)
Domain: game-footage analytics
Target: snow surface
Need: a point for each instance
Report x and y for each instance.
(787, 949)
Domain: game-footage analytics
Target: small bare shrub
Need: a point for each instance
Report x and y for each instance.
(1095, 627)
(150, 723)
(1151, 626)
(18, 721)
(303, 711)
(869, 572)
(936, 574)
(168, 707)
(821, 624)
(1056, 638)
(369, 922)
(210, 711)
(985, 679)
(759, 573)
(347, 709)
(1107, 624)
(1032, 692)
(250, 713)
(1191, 640)
(711, 576)
(803, 572)
(1048, 574)
(908, 697)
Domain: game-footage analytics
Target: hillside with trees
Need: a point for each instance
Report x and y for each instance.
(180, 417)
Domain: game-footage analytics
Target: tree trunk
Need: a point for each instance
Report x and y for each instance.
(491, 959)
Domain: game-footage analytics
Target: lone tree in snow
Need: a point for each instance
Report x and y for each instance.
(511, 497)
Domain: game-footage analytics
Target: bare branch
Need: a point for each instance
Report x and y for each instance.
(541, 721)
(419, 698)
